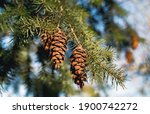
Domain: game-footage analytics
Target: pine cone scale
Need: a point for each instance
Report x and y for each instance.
(59, 45)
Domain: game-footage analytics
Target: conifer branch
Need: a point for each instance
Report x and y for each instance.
(26, 24)
(99, 65)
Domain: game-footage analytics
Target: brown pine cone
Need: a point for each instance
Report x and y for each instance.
(129, 57)
(134, 41)
(58, 48)
(46, 39)
(78, 63)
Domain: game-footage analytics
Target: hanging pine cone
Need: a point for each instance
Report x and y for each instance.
(129, 56)
(134, 41)
(58, 48)
(46, 39)
(78, 63)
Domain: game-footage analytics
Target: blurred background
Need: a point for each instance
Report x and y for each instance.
(124, 24)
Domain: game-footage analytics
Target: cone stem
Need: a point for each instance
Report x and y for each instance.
(74, 35)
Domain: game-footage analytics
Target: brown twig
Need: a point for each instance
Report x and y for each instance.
(74, 35)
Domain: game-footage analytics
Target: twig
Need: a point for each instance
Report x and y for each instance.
(74, 35)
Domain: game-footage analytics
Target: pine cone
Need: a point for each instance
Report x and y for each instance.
(58, 48)
(78, 63)
(129, 56)
(134, 41)
(46, 39)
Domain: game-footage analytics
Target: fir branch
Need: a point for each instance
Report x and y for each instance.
(98, 64)
(28, 25)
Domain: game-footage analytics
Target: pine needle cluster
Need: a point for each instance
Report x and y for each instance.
(28, 19)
